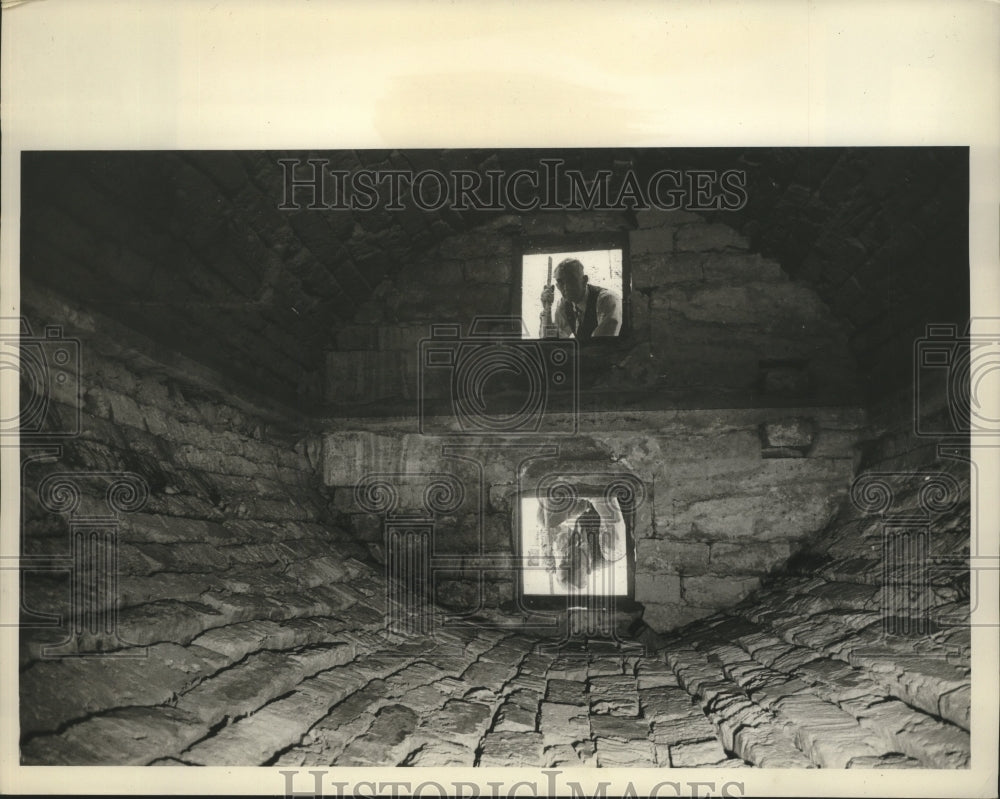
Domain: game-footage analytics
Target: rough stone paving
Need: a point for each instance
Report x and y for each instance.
(762, 689)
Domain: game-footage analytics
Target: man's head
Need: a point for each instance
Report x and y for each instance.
(570, 280)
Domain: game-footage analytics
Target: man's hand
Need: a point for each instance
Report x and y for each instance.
(548, 295)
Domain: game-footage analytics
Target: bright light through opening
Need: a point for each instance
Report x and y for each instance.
(602, 267)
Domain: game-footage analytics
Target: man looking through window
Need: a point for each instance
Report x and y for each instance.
(584, 311)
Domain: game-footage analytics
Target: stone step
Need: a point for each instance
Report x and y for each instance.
(925, 671)
(70, 689)
(257, 680)
(750, 731)
(123, 737)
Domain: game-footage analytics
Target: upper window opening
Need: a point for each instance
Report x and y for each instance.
(587, 301)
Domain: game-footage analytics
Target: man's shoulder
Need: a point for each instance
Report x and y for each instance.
(606, 295)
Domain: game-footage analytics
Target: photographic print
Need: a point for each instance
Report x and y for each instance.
(273, 413)
(499, 470)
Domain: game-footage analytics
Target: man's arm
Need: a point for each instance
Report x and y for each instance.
(562, 323)
(609, 314)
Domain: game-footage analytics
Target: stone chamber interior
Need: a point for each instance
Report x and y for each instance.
(222, 415)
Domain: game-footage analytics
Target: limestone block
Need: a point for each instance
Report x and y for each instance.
(668, 555)
(186, 558)
(687, 729)
(166, 620)
(702, 453)
(568, 668)
(835, 444)
(614, 695)
(894, 760)
(138, 590)
(256, 738)
(458, 720)
(561, 756)
(430, 751)
(392, 724)
(654, 217)
(782, 513)
(692, 755)
(613, 753)
(72, 688)
(797, 432)
(519, 749)
(566, 723)
(255, 681)
(665, 616)
(350, 455)
(778, 306)
(660, 588)
(769, 747)
(235, 641)
(652, 240)
(654, 674)
(488, 674)
(513, 717)
(751, 557)
(935, 744)
(457, 593)
(315, 571)
(739, 267)
(650, 270)
(715, 591)
(567, 692)
(124, 410)
(955, 706)
(837, 747)
(126, 737)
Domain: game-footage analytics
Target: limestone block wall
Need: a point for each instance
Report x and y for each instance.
(729, 496)
(711, 322)
(181, 570)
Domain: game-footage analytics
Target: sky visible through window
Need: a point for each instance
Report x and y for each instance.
(602, 267)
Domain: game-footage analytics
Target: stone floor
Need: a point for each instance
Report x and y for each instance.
(726, 693)
(801, 677)
(515, 705)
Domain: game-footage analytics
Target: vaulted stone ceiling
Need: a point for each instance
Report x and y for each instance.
(192, 249)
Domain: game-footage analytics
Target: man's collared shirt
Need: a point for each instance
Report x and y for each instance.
(608, 304)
